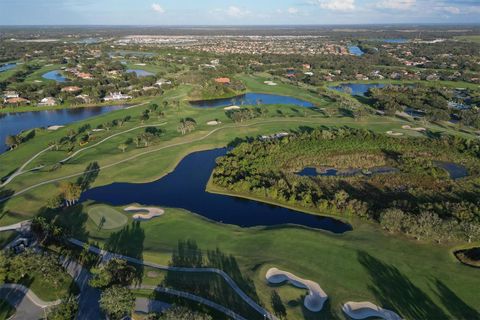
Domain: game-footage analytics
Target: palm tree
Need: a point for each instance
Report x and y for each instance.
(12, 142)
(122, 147)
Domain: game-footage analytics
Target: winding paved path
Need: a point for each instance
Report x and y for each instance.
(225, 276)
(27, 304)
(20, 170)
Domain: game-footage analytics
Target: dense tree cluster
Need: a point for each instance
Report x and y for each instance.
(417, 190)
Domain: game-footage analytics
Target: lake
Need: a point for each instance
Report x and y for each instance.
(14, 123)
(7, 66)
(456, 171)
(252, 99)
(355, 50)
(357, 89)
(185, 188)
(140, 73)
(55, 75)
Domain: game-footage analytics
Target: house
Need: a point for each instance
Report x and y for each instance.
(162, 82)
(223, 80)
(306, 66)
(10, 94)
(71, 89)
(48, 102)
(17, 101)
(85, 98)
(116, 96)
(84, 75)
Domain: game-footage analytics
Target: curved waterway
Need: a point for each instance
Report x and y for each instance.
(252, 99)
(185, 188)
(55, 75)
(15, 122)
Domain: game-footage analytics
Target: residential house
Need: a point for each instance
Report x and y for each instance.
(48, 102)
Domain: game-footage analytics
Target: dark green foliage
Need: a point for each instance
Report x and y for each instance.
(267, 167)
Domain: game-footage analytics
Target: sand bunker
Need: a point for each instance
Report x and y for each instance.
(395, 134)
(54, 128)
(213, 123)
(149, 214)
(419, 129)
(363, 310)
(270, 83)
(316, 296)
(232, 108)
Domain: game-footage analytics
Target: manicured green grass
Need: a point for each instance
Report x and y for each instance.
(6, 237)
(419, 280)
(6, 310)
(107, 217)
(475, 39)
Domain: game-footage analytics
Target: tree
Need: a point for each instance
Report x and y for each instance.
(277, 305)
(114, 272)
(67, 309)
(186, 125)
(71, 192)
(177, 313)
(117, 302)
(122, 147)
(392, 220)
(470, 230)
(12, 142)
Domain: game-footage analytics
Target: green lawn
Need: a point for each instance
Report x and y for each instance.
(419, 280)
(475, 39)
(107, 217)
(6, 310)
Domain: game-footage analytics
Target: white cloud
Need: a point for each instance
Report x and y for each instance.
(293, 10)
(236, 12)
(396, 4)
(158, 8)
(337, 5)
(451, 10)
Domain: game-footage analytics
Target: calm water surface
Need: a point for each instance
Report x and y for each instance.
(185, 188)
(140, 73)
(7, 66)
(356, 50)
(55, 75)
(14, 123)
(252, 99)
(357, 89)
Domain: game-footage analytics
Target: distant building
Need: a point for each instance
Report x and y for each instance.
(117, 96)
(71, 89)
(48, 102)
(85, 98)
(84, 75)
(10, 94)
(17, 101)
(223, 80)
(162, 82)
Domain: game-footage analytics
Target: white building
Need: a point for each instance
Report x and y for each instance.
(117, 96)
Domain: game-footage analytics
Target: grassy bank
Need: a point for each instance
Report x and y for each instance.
(418, 280)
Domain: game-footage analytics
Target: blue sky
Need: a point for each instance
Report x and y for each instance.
(231, 12)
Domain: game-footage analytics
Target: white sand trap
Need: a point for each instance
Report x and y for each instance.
(150, 212)
(232, 108)
(395, 134)
(363, 310)
(54, 128)
(98, 130)
(316, 296)
(141, 64)
(419, 129)
(270, 83)
(213, 123)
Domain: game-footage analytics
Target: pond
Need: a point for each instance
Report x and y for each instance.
(140, 73)
(55, 75)
(456, 171)
(7, 66)
(357, 89)
(252, 99)
(14, 123)
(355, 50)
(331, 172)
(185, 188)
